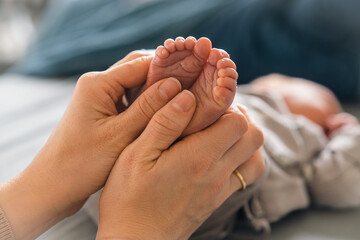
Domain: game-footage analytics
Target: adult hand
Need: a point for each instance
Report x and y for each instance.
(160, 192)
(78, 157)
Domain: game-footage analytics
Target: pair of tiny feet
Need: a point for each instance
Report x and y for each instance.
(207, 72)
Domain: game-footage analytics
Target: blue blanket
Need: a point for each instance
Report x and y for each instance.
(314, 39)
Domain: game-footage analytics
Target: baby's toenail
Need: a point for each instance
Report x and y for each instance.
(224, 54)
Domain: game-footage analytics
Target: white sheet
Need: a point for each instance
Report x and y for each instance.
(30, 109)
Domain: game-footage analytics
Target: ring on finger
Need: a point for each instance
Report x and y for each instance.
(241, 179)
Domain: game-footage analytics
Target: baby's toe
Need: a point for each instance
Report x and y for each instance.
(225, 63)
(228, 72)
(227, 75)
(224, 54)
(170, 45)
(226, 82)
(162, 52)
(223, 97)
(190, 43)
(202, 48)
(216, 55)
(180, 43)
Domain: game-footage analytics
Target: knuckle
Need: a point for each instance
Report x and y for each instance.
(145, 107)
(259, 165)
(87, 78)
(140, 53)
(258, 136)
(128, 67)
(133, 65)
(142, 59)
(164, 125)
(239, 122)
(200, 166)
(135, 54)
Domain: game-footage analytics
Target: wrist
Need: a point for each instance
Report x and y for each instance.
(34, 201)
(28, 214)
(6, 231)
(57, 182)
(108, 229)
(117, 225)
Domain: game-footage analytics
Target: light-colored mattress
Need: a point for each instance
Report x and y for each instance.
(30, 109)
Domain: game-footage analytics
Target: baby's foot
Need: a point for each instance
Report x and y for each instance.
(214, 90)
(182, 59)
(206, 72)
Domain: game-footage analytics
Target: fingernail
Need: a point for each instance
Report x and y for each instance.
(184, 101)
(169, 88)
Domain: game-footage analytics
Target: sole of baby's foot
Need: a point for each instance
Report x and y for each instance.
(181, 58)
(214, 90)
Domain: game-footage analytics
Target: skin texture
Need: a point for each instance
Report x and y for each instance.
(193, 191)
(91, 133)
(308, 99)
(208, 73)
(94, 131)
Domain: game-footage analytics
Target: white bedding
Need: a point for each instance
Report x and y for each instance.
(30, 108)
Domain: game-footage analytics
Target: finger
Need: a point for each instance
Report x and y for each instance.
(251, 170)
(245, 147)
(130, 74)
(167, 125)
(215, 140)
(127, 75)
(135, 54)
(138, 115)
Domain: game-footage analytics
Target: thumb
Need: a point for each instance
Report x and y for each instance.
(129, 74)
(167, 125)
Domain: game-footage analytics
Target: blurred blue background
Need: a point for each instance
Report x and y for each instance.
(314, 39)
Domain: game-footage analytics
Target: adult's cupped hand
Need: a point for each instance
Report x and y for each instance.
(161, 188)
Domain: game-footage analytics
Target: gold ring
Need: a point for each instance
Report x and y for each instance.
(241, 178)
